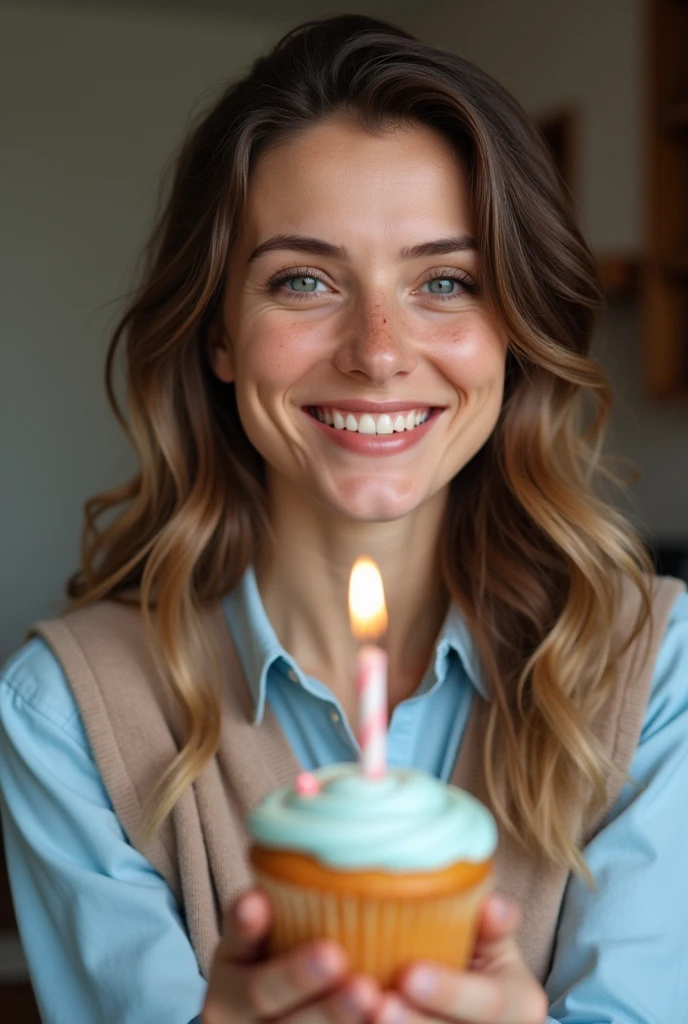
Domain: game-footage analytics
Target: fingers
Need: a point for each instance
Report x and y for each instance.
(499, 917)
(276, 987)
(245, 927)
(495, 939)
(510, 996)
(353, 1003)
(497, 989)
(308, 984)
(281, 984)
(395, 1011)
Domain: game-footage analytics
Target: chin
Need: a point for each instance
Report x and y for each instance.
(374, 501)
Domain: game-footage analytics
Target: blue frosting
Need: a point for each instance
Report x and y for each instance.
(404, 821)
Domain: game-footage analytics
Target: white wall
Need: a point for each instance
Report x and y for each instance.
(93, 103)
(591, 54)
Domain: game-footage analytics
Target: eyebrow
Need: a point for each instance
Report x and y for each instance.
(317, 247)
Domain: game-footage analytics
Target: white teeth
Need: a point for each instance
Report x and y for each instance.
(369, 424)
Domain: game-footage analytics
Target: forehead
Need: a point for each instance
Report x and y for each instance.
(338, 177)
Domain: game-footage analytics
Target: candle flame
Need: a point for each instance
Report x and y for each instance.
(367, 609)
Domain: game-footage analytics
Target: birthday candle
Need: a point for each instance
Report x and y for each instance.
(368, 616)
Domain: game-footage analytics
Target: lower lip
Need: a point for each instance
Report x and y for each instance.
(376, 444)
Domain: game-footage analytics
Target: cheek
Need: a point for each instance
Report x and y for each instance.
(276, 356)
(474, 355)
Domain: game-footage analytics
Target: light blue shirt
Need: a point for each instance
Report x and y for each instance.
(102, 932)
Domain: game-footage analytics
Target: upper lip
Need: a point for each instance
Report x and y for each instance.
(375, 408)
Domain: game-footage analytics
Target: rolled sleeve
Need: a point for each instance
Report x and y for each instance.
(101, 930)
(621, 955)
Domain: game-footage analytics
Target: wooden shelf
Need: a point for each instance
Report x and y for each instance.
(621, 275)
(664, 288)
(676, 117)
(676, 266)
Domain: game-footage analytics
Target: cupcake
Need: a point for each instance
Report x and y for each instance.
(395, 868)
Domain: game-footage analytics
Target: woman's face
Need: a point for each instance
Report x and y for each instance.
(368, 370)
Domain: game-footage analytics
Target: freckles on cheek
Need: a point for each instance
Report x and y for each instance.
(285, 353)
(474, 356)
(274, 355)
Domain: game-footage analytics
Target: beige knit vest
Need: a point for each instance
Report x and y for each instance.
(134, 731)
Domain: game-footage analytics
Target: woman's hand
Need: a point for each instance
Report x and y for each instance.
(498, 988)
(309, 985)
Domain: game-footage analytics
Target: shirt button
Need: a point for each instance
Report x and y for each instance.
(334, 716)
(291, 674)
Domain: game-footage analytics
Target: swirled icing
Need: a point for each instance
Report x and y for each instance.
(405, 820)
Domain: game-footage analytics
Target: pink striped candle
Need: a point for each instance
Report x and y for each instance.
(371, 683)
(368, 621)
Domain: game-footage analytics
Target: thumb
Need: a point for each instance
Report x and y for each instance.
(499, 919)
(245, 928)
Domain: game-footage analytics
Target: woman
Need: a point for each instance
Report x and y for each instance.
(364, 327)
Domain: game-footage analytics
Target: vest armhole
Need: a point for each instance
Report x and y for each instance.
(637, 665)
(85, 684)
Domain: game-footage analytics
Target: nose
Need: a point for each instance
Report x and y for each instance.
(376, 347)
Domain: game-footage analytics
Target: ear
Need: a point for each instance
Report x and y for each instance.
(220, 354)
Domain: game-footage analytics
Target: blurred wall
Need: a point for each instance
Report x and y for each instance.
(93, 103)
(591, 55)
(552, 54)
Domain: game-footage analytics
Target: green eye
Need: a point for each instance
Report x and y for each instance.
(444, 285)
(305, 281)
(450, 286)
(301, 285)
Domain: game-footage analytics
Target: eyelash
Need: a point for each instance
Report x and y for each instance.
(467, 284)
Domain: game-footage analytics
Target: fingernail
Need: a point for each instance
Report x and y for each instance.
(421, 982)
(500, 908)
(350, 1002)
(321, 964)
(392, 1011)
(245, 911)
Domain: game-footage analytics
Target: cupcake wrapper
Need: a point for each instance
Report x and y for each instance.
(380, 935)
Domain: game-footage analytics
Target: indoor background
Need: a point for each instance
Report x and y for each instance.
(96, 95)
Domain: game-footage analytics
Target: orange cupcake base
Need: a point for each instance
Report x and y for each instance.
(383, 920)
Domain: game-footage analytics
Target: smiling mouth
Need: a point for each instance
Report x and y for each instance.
(369, 423)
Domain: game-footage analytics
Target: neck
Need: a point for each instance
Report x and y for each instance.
(304, 577)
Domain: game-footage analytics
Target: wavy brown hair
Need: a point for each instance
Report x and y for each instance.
(532, 553)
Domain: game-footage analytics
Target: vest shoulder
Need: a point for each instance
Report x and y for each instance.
(106, 628)
(105, 646)
(106, 613)
(679, 610)
(663, 592)
(110, 621)
(655, 584)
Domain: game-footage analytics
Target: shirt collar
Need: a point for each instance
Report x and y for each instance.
(255, 640)
(259, 649)
(455, 636)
